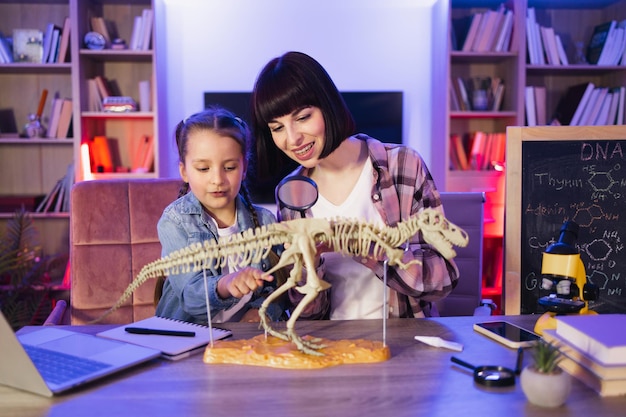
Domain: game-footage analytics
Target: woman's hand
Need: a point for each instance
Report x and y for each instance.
(240, 283)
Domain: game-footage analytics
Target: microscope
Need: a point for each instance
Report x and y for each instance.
(564, 280)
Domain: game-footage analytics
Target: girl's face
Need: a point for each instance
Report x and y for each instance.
(214, 168)
(300, 135)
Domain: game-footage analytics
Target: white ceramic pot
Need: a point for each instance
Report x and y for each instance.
(545, 390)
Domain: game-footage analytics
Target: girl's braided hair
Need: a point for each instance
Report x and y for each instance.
(224, 123)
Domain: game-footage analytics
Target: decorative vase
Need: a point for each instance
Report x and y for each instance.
(545, 390)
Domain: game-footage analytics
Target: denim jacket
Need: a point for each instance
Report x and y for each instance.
(185, 222)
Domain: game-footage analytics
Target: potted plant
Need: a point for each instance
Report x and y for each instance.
(543, 382)
(26, 274)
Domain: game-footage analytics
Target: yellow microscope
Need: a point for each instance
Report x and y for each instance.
(563, 277)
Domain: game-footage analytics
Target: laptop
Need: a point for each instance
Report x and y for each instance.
(50, 360)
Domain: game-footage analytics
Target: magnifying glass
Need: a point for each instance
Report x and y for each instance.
(297, 193)
(492, 375)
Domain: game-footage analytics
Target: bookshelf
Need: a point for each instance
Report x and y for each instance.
(574, 22)
(124, 69)
(31, 167)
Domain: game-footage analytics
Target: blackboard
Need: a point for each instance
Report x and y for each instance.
(559, 174)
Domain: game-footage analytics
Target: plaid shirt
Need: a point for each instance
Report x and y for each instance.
(402, 187)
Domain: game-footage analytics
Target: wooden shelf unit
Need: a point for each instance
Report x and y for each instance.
(33, 166)
(574, 22)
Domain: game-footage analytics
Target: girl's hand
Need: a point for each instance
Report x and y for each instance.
(240, 283)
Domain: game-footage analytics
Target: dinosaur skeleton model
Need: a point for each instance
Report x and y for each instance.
(349, 237)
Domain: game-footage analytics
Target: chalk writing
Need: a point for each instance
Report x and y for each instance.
(580, 181)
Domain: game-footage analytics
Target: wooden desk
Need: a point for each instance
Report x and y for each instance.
(417, 380)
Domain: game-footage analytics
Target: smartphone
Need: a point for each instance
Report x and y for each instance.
(507, 333)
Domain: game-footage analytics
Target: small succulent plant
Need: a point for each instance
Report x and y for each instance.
(546, 356)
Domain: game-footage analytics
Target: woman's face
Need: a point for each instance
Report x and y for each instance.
(300, 135)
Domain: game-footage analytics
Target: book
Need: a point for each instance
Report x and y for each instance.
(47, 41)
(136, 35)
(98, 24)
(603, 114)
(104, 86)
(145, 96)
(463, 94)
(582, 359)
(457, 147)
(561, 50)
(593, 107)
(612, 116)
(171, 347)
(487, 31)
(596, 334)
(620, 106)
(147, 17)
(540, 105)
(504, 37)
(64, 42)
(549, 43)
(605, 380)
(100, 153)
(94, 101)
(65, 119)
(535, 48)
(610, 45)
(472, 33)
(598, 41)
(529, 102)
(55, 115)
(54, 46)
(6, 50)
(477, 151)
(588, 90)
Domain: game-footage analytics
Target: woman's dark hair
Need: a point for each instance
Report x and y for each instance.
(289, 83)
(224, 123)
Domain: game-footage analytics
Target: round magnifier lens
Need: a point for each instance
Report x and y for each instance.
(495, 377)
(297, 193)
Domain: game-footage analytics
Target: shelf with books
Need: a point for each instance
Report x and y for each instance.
(31, 166)
(576, 28)
(483, 66)
(114, 72)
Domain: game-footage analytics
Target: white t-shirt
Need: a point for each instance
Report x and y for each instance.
(229, 315)
(356, 292)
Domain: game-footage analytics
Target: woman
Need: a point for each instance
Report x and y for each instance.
(299, 114)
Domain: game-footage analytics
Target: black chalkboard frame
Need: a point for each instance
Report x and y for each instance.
(516, 136)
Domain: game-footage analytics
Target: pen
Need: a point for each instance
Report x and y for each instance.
(141, 330)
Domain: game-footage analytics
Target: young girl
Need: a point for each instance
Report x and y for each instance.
(299, 114)
(213, 160)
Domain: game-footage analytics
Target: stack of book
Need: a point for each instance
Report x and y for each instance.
(607, 45)
(587, 104)
(477, 150)
(489, 31)
(594, 350)
(543, 43)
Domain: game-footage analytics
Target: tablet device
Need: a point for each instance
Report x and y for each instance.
(507, 334)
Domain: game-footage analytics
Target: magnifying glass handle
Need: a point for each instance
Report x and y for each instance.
(462, 363)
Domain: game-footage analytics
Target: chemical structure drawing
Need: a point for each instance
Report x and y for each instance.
(603, 184)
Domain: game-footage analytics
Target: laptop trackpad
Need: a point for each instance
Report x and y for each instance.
(80, 345)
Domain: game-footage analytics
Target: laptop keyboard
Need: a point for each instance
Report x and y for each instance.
(58, 367)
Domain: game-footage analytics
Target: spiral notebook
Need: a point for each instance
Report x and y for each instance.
(171, 347)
